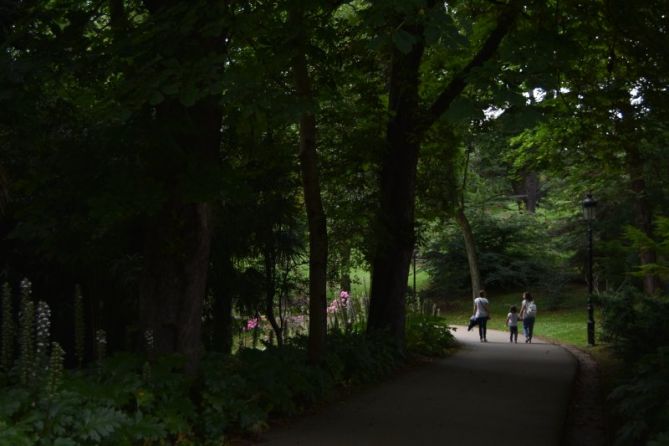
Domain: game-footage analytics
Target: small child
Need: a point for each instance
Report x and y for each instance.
(512, 323)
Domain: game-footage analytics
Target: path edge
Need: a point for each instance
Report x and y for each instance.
(585, 423)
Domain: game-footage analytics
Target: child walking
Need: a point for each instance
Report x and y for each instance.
(512, 323)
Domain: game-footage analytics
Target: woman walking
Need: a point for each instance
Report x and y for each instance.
(482, 314)
(528, 313)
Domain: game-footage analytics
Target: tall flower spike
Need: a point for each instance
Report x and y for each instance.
(149, 341)
(26, 287)
(42, 338)
(146, 372)
(8, 333)
(27, 341)
(56, 367)
(79, 327)
(101, 343)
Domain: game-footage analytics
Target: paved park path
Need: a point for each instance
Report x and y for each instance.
(494, 393)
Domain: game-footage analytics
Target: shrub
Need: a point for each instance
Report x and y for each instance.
(643, 402)
(634, 323)
(428, 335)
(125, 399)
(636, 326)
(514, 253)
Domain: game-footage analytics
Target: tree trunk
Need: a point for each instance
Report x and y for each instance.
(223, 324)
(345, 268)
(407, 124)
(470, 247)
(531, 182)
(173, 285)
(222, 308)
(394, 248)
(642, 215)
(270, 293)
(178, 239)
(526, 191)
(318, 242)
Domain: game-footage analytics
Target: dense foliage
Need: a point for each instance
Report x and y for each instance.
(514, 253)
(126, 400)
(129, 399)
(635, 325)
(195, 169)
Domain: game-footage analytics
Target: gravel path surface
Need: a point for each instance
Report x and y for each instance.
(493, 393)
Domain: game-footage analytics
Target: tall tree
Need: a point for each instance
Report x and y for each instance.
(407, 125)
(318, 240)
(611, 101)
(178, 237)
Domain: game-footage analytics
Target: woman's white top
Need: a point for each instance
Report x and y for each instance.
(479, 302)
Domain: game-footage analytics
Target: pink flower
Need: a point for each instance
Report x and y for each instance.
(298, 319)
(344, 296)
(335, 305)
(252, 323)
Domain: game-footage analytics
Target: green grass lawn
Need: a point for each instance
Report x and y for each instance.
(567, 323)
(361, 280)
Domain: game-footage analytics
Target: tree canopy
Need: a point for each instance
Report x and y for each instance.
(161, 154)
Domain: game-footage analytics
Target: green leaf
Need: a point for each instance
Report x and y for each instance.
(156, 98)
(463, 109)
(189, 95)
(100, 422)
(11, 401)
(403, 41)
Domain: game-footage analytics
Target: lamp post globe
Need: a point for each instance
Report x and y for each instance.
(589, 207)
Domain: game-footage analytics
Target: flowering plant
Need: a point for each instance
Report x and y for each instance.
(251, 323)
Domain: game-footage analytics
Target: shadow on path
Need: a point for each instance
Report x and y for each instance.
(493, 393)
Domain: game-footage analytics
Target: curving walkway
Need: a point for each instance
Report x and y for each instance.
(486, 394)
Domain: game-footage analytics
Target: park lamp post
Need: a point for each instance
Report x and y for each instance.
(589, 206)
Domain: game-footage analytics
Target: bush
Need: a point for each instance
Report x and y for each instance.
(126, 400)
(514, 253)
(634, 323)
(428, 335)
(636, 326)
(643, 402)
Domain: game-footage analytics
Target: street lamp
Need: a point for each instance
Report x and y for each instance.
(589, 207)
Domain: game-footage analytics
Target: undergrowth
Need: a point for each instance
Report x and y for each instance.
(127, 400)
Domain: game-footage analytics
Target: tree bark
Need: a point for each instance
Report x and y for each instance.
(395, 222)
(406, 127)
(526, 190)
(318, 243)
(345, 267)
(643, 215)
(173, 285)
(531, 183)
(178, 239)
(470, 248)
(223, 324)
(222, 308)
(270, 293)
